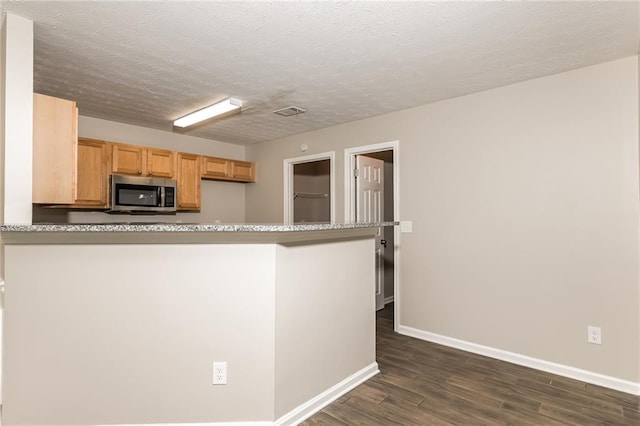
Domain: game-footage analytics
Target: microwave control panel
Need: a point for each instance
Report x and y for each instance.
(169, 196)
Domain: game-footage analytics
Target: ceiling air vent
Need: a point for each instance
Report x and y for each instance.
(289, 111)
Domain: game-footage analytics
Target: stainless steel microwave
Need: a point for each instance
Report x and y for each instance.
(142, 194)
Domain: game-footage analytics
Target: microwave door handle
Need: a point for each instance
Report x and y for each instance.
(162, 190)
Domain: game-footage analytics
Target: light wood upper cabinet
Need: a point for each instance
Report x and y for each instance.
(66, 171)
(188, 181)
(213, 167)
(127, 159)
(160, 163)
(141, 161)
(93, 173)
(225, 169)
(74, 172)
(243, 171)
(55, 138)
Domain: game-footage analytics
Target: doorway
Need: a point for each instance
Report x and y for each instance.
(388, 154)
(309, 191)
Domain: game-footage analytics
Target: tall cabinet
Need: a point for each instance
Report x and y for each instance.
(67, 171)
(188, 181)
(55, 137)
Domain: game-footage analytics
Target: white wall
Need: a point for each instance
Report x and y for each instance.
(3, 80)
(16, 105)
(221, 201)
(525, 205)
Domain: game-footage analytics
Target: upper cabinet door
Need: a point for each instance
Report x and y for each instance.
(224, 169)
(213, 167)
(188, 181)
(128, 159)
(93, 173)
(243, 171)
(141, 161)
(160, 163)
(55, 135)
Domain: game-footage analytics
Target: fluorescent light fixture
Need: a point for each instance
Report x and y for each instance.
(209, 112)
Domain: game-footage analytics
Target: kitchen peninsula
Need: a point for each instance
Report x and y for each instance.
(120, 324)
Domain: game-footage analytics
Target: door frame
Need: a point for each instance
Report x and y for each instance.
(288, 164)
(350, 208)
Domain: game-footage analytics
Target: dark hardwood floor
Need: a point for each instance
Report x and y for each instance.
(422, 383)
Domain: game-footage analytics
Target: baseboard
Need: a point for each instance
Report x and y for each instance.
(388, 300)
(197, 424)
(300, 413)
(309, 408)
(526, 361)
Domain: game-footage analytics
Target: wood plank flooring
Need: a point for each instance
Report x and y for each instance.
(422, 383)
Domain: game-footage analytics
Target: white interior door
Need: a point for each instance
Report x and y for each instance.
(369, 209)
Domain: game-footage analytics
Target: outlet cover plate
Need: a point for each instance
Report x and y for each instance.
(594, 335)
(219, 373)
(406, 226)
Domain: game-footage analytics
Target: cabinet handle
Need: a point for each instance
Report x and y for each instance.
(139, 172)
(149, 173)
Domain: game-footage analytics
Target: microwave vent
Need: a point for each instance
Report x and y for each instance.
(289, 111)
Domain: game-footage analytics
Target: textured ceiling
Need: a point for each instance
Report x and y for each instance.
(147, 63)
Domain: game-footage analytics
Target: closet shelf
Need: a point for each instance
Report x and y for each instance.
(309, 195)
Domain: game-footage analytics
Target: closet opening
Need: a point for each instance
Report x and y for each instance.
(309, 189)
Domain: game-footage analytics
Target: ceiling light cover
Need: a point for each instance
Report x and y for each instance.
(209, 112)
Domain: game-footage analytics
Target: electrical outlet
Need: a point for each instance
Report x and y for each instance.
(406, 226)
(219, 373)
(594, 335)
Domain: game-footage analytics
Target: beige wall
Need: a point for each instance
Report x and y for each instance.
(524, 202)
(221, 201)
(126, 334)
(90, 127)
(325, 328)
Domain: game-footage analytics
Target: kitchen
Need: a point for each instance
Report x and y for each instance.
(478, 198)
(209, 188)
(149, 278)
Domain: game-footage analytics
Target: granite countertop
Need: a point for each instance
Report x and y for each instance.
(185, 227)
(183, 233)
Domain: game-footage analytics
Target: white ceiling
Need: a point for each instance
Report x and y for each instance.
(147, 63)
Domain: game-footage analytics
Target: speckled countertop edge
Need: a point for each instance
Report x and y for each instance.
(181, 227)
